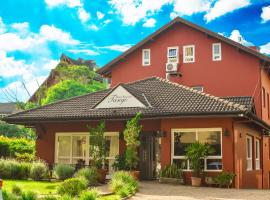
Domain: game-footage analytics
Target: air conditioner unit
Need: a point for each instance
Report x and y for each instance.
(171, 67)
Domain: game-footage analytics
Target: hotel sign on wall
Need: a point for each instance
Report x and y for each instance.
(120, 98)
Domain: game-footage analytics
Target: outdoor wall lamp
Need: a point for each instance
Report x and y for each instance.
(227, 133)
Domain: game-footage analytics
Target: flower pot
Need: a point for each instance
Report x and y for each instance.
(195, 181)
(102, 175)
(135, 174)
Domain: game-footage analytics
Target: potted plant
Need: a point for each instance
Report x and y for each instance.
(171, 174)
(131, 137)
(196, 153)
(225, 179)
(97, 149)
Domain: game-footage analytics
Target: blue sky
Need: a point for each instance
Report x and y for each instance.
(33, 34)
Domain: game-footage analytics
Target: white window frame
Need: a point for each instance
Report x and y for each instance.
(143, 58)
(258, 154)
(249, 159)
(87, 158)
(198, 88)
(177, 54)
(196, 130)
(184, 54)
(213, 52)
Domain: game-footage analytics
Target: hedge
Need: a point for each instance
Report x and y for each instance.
(10, 146)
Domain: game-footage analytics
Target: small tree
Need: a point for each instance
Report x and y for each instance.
(97, 144)
(195, 153)
(131, 136)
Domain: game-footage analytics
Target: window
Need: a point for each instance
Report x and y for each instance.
(257, 155)
(216, 51)
(249, 153)
(146, 57)
(263, 96)
(181, 138)
(73, 147)
(172, 55)
(189, 54)
(198, 88)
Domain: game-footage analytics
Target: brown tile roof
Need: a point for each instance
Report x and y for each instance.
(107, 68)
(161, 97)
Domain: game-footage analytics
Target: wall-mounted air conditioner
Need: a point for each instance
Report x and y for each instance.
(171, 67)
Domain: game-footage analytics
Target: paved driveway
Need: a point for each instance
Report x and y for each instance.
(156, 191)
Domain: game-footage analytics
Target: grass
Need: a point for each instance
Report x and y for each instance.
(111, 197)
(40, 187)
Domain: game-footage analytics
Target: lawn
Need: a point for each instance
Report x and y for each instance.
(40, 187)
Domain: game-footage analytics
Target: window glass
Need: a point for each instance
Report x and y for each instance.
(213, 139)
(249, 153)
(189, 54)
(146, 57)
(182, 140)
(79, 146)
(213, 164)
(258, 164)
(198, 88)
(64, 146)
(172, 55)
(216, 51)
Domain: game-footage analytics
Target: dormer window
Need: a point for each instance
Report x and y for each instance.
(198, 88)
(216, 51)
(189, 54)
(172, 55)
(146, 57)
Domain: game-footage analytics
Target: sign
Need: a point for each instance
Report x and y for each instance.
(120, 98)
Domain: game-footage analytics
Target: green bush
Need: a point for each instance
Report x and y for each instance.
(66, 197)
(90, 174)
(171, 171)
(16, 190)
(72, 186)
(10, 146)
(93, 194)
(63, 171)
(8, 196)
(13, 169)
(123, 184)
(28, 196)
(25, 157)
(39, 170)
(224, 179)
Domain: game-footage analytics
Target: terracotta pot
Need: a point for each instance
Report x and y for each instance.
(195, 181)
(135, 174)
(102, 175)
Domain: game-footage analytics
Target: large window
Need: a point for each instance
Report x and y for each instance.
(216, 51)
(189, 54)
(257, 158)
(181, 138)
(249, 153)
(73, 147)
(146, 57)
(172, 55)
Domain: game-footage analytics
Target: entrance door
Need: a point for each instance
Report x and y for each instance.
(147, 156)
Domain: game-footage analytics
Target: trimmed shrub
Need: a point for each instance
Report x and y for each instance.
(90, 174)
(72, 186)
(25, 157)
(123, 184)
(93, 194)
(13, 169)
(63, 171)
(39, 170)
(28, 196)
(16, 190)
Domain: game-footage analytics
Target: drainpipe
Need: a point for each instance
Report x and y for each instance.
(1, 184)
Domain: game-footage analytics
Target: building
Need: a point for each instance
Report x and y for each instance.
(190, 84)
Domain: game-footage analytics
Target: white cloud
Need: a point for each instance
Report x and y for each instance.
(93, 27)
(173, 15)
(2, 26)
(189, 7)
(265, 48)
(51, 33)
(84, 51)
(150, 23)
(133, 11)
(223, 7)
(117, 47)
(83, 15)
(107, 21)
(50, 64)
(265, 14)
(69, 3)
(100, 15)
(237, 37)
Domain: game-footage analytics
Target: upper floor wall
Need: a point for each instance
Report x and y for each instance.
(236, 74)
